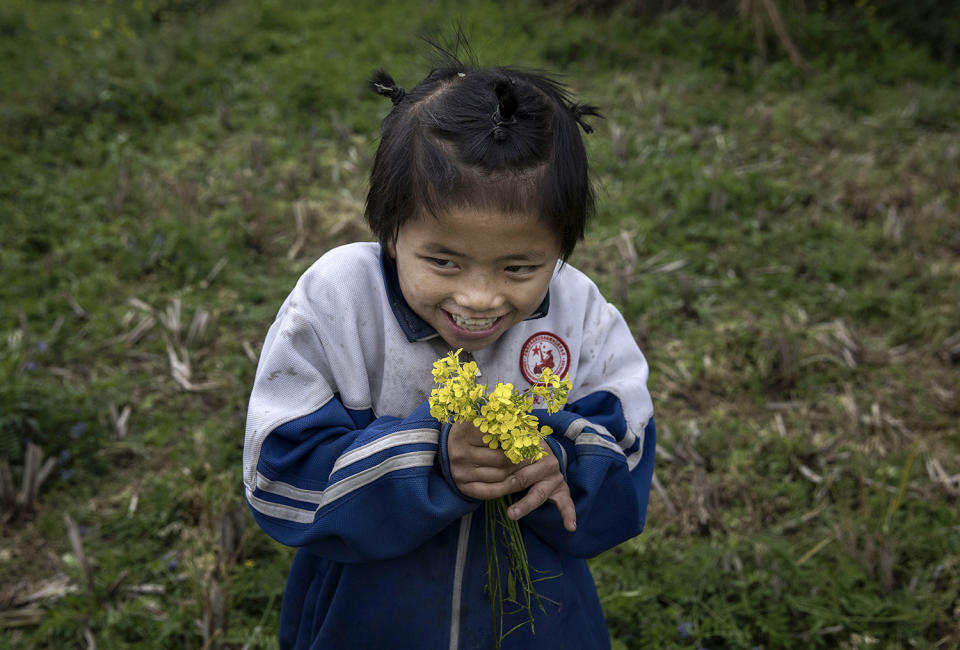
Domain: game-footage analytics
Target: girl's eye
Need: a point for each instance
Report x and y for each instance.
(441, 263)
(521, 269)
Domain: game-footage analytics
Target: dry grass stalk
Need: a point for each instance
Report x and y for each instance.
(300, 223)
(214, 272)
(877, 484)
(766, 9)
(779, 424)
(705, 501)
(181, 372)
(652, 264)
(667, 456)
(810, 475)
(144, 325)
(79, 312)
(170, 317)
(214, 616)
(16, 596)
(198, 326)
(672, 509)
(705, 498)
(7, 493)
(249, 351)
(146, 588)
(232, 527)
(618, 141)
(35, 473)
(115, 584)
(138, 304)
(76, 543)
(800, 521)
(949, 484)
(21, 617)
(628, 258)
(816, 549)
(121, 420)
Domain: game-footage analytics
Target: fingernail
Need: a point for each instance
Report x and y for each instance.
(512, 513)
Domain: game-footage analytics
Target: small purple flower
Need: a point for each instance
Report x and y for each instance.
(30, 366)
(158, 240)
(66, 474)
(684, 630)
(170, 558)
(77, 430)
(64, 456)
(42, 347)
(82, 528)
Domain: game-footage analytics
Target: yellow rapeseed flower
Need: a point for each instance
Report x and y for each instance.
(503, 415)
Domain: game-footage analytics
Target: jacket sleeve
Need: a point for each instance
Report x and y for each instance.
(609, 479)
(605, 440)
(318, 474)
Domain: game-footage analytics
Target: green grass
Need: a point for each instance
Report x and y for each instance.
(794, 288)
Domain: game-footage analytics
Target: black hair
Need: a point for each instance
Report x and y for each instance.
(496, 138)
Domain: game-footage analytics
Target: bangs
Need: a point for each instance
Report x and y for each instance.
(441, 183)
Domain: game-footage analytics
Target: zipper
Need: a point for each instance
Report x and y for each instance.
(462, 542)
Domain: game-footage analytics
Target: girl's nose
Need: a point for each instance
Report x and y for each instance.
(479, 295)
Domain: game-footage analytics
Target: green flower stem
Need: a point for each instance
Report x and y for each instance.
(498, 527)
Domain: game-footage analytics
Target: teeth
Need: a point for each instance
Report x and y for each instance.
(473, 323)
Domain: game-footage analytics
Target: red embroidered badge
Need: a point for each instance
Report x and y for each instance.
(544, 350)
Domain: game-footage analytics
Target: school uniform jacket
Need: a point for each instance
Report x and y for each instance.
(343, 460)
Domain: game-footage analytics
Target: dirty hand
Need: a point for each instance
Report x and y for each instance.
(483, 473)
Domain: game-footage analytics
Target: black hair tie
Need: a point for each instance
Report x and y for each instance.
(505, 113)
(383, 84)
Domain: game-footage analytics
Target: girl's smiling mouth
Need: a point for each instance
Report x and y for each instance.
(473, 328)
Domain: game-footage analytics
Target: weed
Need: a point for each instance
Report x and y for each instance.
(783, 243)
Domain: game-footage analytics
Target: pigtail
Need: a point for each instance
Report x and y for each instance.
(579, 110)
(383, 84)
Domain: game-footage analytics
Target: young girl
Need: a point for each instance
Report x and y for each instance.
(478, 192)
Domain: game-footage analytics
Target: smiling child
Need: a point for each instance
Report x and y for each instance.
(479, 192)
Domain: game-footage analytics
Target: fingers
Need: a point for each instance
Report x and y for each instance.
(483, 473)
(546, 484)
(466, 457)
(469, 434)
(474, 474)
(478, 471)
(564, 503)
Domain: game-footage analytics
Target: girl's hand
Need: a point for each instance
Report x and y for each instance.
(483, 473)
(546, 483)
(479, 472)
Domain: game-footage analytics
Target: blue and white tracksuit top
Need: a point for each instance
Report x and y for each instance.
(343, 460)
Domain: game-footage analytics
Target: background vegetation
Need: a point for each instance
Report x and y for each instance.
(781, 229)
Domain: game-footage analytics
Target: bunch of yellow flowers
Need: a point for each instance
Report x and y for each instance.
(503, 415)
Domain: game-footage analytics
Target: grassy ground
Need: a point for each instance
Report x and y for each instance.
(784, 244)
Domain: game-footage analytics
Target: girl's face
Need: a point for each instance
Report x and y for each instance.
(474, 274)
